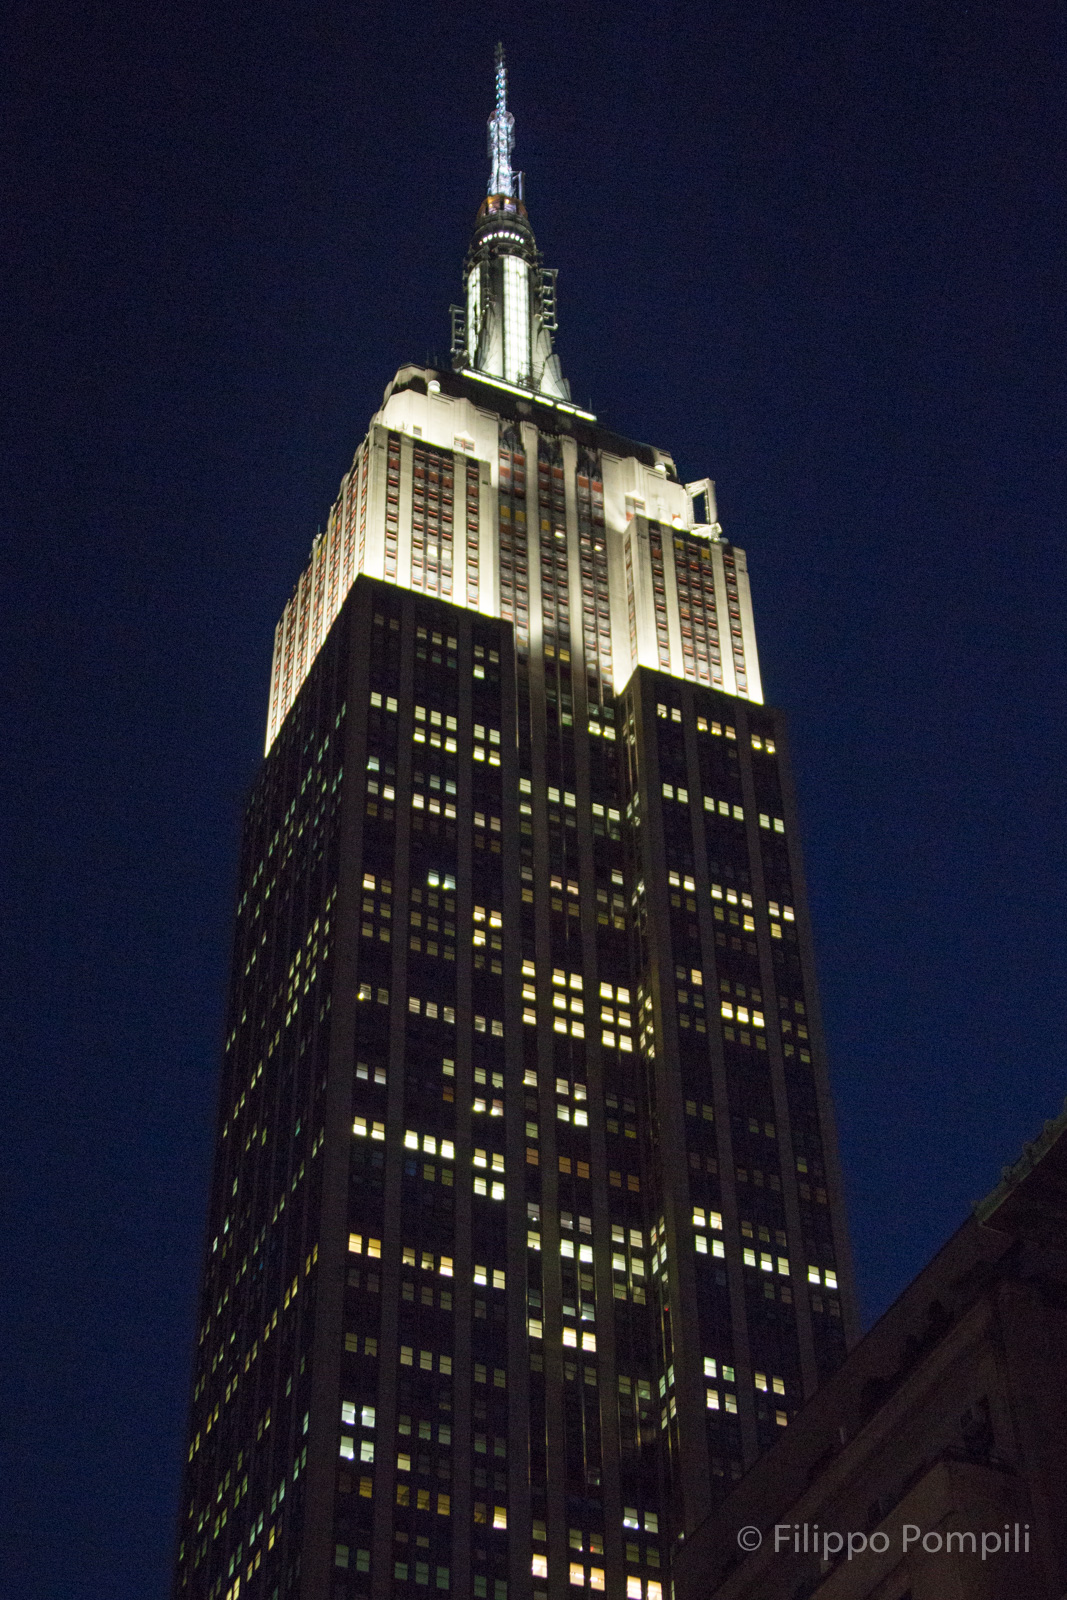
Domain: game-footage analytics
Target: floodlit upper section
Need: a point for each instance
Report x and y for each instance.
(487, 487)
(505, 325)
(485, 495)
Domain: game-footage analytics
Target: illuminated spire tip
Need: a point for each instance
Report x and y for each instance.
(501, 134)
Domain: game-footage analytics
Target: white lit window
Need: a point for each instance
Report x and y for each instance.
(474, 311)
(516, 320)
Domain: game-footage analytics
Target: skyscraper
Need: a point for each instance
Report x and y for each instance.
(526, 1231)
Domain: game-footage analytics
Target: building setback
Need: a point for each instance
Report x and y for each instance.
(526, 1234)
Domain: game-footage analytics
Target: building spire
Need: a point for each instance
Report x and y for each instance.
(504, 329)
(502, 135)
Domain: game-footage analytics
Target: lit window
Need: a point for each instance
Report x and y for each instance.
(516, 320)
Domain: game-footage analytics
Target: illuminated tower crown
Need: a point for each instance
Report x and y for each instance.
(505, 326)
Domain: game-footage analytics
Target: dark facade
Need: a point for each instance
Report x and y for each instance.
(524, 1157)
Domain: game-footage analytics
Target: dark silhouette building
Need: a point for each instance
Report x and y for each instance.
(526, 1233)
(933, 1463)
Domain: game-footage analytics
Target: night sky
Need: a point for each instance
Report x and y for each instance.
(814, 249)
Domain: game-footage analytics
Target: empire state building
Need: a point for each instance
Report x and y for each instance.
(526, 1234)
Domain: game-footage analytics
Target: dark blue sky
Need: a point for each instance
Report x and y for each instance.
(817, 250)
